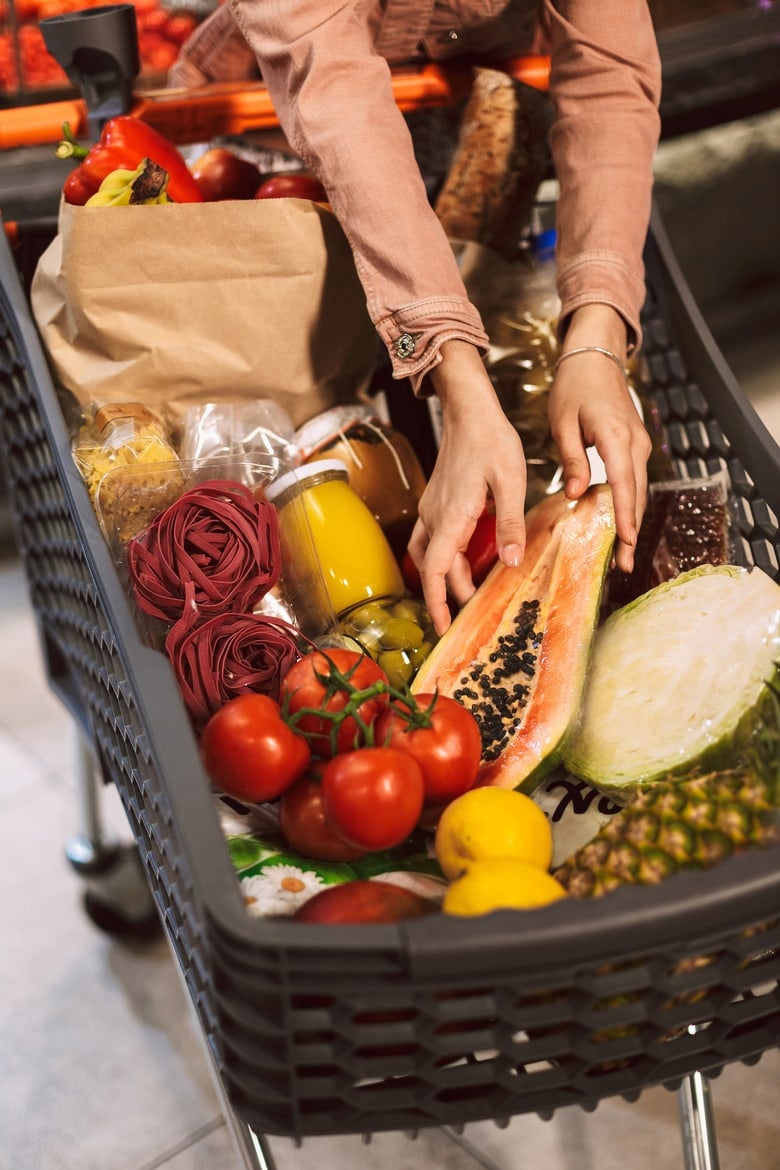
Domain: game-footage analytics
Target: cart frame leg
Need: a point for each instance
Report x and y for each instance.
(117, 896)
(700, 1146)
(252, 1149)
(92, 848)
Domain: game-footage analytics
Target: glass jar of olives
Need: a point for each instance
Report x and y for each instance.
(396, 632)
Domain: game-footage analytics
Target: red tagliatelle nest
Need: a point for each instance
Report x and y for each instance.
(221, 657)
(215, 549)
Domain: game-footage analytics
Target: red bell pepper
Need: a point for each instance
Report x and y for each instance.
(482, 550)
(122, 145)
(481, 553)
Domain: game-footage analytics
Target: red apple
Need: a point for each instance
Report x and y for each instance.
(294, 186)
(221, 174)
(364, 901)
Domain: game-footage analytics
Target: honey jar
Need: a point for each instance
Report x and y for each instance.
(381, 463)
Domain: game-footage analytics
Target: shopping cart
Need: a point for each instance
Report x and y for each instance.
(329, 1030)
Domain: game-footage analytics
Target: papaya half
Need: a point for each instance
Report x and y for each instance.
(517, 653)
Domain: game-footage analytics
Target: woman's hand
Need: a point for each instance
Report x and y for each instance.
(590, 406)
(480, 453)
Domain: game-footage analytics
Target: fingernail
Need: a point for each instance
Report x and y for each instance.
(512, 555)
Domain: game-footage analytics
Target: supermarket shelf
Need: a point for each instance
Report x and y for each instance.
(196, 115)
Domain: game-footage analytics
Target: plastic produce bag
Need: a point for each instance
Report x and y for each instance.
(244, 430)
(183, 304)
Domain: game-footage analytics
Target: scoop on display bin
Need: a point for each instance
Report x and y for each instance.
(98, 49)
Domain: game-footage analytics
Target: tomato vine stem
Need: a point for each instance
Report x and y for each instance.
(336, 681)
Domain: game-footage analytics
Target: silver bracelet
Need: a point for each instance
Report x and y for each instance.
(594, 349)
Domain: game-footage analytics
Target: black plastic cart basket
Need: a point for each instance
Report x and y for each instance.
(324, 1030)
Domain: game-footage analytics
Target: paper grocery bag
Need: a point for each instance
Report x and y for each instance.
(181, 304)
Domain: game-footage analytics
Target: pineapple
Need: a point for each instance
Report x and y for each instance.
(680, 823)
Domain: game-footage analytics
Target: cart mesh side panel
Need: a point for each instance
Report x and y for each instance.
(320, 1030)
(74, 596)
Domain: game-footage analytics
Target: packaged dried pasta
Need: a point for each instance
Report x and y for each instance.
(124, 435)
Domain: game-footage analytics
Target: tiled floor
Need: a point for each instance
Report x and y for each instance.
(101, 1065)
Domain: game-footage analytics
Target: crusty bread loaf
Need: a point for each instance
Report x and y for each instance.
(500, 159)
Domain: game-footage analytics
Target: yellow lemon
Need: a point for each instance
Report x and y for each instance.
(492, 822)
(501, 883)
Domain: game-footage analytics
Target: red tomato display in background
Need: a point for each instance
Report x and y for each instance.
(373, 797)
(297, 186)
(179, 26)
(249, 751)
(306, 684)
(448, 752)
(303, 824)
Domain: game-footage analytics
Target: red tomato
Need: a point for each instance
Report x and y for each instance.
(297, 186)
(221, 174)
(373, 797)
(179, 27)
(303, 824)
(151, 20)
(160, 57)
(311, 684)
(250, 752)
(448, 751)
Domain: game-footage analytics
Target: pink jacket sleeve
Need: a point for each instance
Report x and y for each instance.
(605, 85)
(333, 95)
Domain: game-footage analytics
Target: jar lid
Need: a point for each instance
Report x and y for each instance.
(315, 432)
(300, 476)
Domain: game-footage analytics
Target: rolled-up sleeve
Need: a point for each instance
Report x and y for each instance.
(605, 85)
(333, 94)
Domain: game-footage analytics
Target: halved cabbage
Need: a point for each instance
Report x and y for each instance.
(678, 677)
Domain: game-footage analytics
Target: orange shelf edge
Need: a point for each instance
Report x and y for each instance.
(197, 115)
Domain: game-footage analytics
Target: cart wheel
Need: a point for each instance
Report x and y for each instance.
(114, 921)
(117, 898)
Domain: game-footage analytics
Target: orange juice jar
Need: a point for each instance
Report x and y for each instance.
(354, 555)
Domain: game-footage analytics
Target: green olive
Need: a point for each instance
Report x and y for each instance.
(397, 667)
(419, 653)
(364, 615)
(400, 634)
(407, 609)
(369, 639)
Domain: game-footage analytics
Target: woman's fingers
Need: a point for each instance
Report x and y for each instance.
(442, 565)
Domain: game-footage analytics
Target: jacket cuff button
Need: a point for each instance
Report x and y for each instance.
(405, 345)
